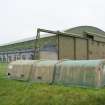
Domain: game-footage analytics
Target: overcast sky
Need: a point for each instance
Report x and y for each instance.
(20, 18)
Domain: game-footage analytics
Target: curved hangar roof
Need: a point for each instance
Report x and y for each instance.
(88, 29)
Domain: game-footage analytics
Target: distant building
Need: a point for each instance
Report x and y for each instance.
(83, 42)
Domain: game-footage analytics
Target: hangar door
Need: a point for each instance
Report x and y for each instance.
(66, 47)
(81, 48)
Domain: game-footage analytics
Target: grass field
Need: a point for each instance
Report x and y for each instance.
(14, 92)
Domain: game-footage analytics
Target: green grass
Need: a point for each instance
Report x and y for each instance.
(14, 92)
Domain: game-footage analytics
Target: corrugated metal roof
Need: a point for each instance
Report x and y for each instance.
(19, 41)
(81, 29)
(26, 39)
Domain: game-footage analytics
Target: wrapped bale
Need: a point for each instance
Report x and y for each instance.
(43, 71)
(81, 73)
(20, 70)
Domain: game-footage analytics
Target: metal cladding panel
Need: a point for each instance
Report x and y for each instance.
(43, 70)
(101, 50)
(101, 39)
(81, 48)
(66, 47)
(96, 50)
(20, 70)
(48, 55)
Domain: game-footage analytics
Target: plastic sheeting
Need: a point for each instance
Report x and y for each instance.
(88, 73)
(20, 70)
(43, 71)
(81, 73)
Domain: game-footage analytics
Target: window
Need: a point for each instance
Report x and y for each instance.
(23, 57)
(31, 57)
(10, 59)
(14, 58)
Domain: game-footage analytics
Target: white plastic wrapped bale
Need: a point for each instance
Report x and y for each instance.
(88, 73)
(20, 70)
(43, 71)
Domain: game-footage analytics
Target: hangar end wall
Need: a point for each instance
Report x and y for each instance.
(72, 48)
